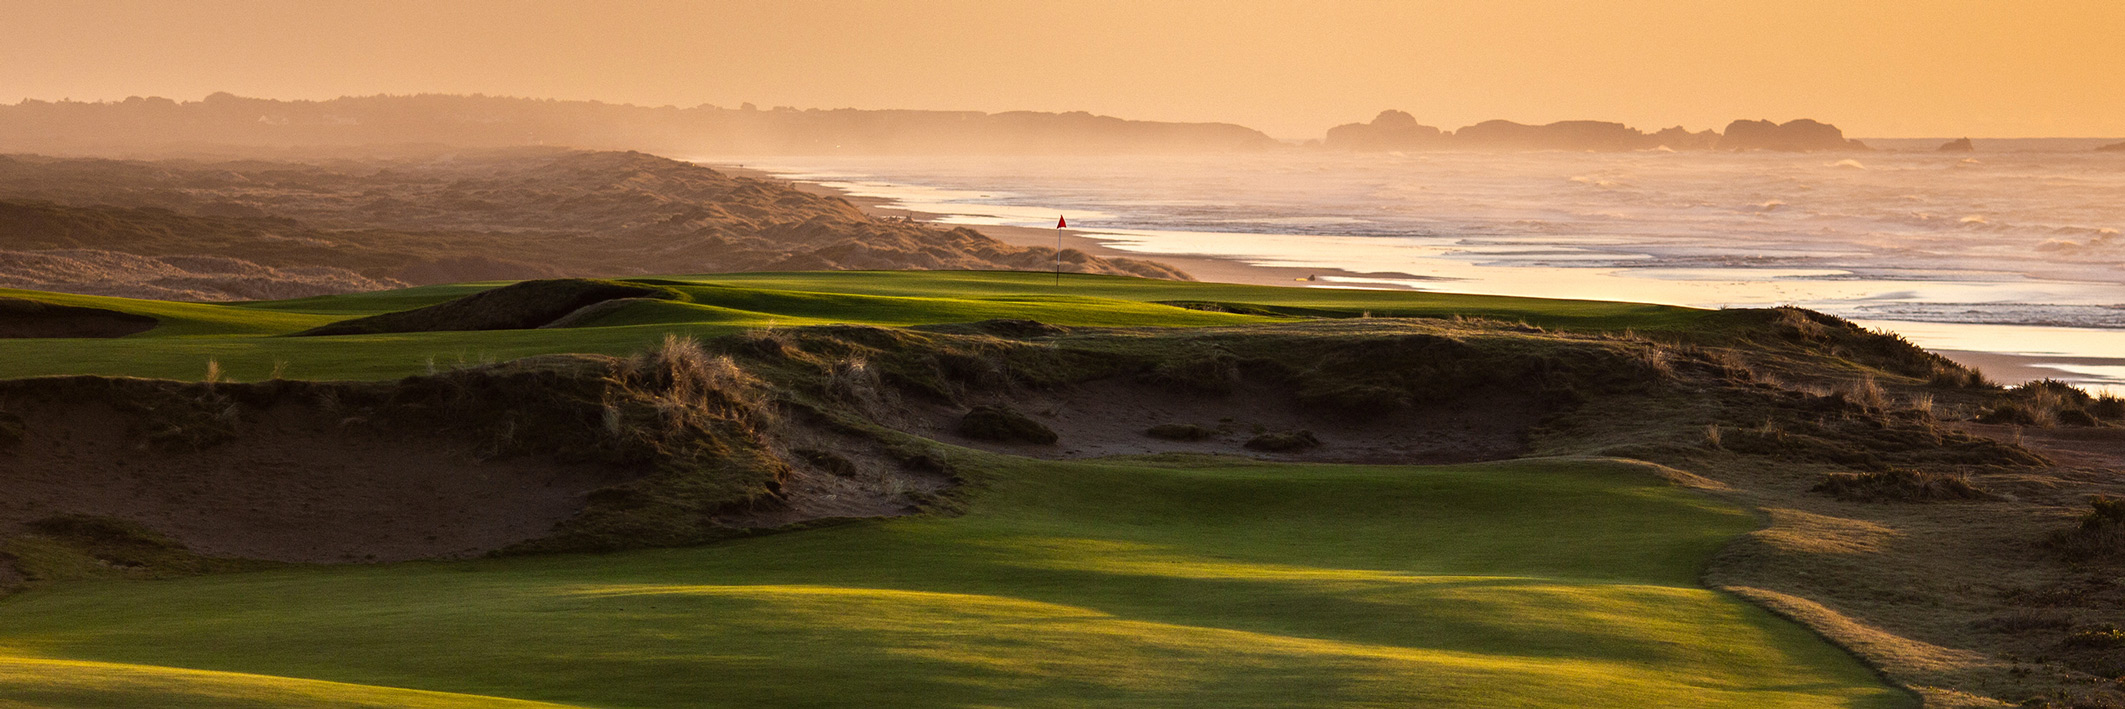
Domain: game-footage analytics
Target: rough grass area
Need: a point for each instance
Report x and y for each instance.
(1899, 485)
(1188, 582)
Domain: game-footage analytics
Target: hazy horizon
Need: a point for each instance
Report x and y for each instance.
(1886, 70)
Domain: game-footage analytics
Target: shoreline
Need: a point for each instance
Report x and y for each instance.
(1209, 269)
(2006, 368)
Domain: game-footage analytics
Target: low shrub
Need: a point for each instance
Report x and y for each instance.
(1899, 485)
(2108, 407)
(1284, 441)
(2103, 638)
(1004, 425)
(2077, 417)
(1181, 432)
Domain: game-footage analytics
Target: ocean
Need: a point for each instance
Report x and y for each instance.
(2013, 251)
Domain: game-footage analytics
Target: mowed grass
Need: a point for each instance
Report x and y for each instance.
(248, 341)
(1169, 582)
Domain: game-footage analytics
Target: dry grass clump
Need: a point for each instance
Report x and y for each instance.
(1899, 485)
(682, 384)
(763, 342)
(2050, 403)
(2100, 535)
(1004, 425)
(1181, 432)
(852, 379)
(1284, 441)
(2107, 407)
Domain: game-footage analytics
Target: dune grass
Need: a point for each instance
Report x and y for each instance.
(1152, 582)
(247, 340)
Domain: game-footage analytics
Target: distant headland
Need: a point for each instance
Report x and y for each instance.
(225, 123)
(1395, 130)
(367, 126)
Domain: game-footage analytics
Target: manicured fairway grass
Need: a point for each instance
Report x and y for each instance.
(1179, 582)
(247, 342)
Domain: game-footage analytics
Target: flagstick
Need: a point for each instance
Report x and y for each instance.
(1058, 251)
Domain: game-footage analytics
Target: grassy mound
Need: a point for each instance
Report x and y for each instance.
(518, 306)
(22, 318)
(1182, 582)
(35, 682)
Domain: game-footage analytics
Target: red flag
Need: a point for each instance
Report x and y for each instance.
(1060, 224)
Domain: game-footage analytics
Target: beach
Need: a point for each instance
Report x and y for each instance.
(1991, 283)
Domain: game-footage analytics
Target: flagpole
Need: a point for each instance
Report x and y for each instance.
(1059, 222)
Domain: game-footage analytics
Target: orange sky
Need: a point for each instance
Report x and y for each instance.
(1877, 68)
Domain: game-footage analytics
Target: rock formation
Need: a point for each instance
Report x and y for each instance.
(1396, 130)
(1798, 136)
(1959, 145)
(1562, 135)
(1391, 130)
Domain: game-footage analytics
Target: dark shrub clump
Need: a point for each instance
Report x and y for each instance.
(2009, 413)
(1284, 441)
(2077, 417)
(1898, 486)
(1181, 432)
(2101, 532)
(1003, 425)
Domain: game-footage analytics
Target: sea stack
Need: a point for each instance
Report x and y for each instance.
(1796, 136)
(1959, 145)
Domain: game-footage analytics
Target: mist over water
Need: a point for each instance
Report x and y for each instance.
(2028, 239)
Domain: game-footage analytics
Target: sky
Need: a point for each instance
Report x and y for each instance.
(1877, 68)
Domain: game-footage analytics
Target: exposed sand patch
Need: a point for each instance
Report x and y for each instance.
(298, 485)
(1110, 417)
